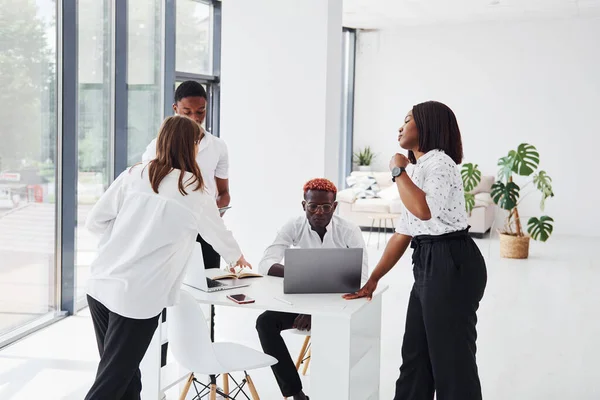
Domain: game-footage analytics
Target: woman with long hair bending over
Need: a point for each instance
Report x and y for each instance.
(148, 220)
(438, 350)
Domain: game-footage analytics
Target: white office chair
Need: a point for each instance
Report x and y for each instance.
(189, 339)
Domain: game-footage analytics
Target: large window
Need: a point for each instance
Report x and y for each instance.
(27, 161)
(94, 123)
(198, 51)
(144, 88)
(76, 108)
(347, 123)
(193, 52)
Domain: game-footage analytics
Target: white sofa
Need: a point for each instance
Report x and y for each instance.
(358, 210)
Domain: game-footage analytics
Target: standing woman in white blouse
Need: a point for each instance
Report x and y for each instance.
(148, 219)
(438, 351)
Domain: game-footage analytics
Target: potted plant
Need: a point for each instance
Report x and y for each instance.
(364, 158)
(506, 193)
(471, 176)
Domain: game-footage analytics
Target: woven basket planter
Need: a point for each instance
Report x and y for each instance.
(514, 246)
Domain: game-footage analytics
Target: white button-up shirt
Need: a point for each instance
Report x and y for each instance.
(147, 241)
(298, 233)
(212, 158)
(439, 177)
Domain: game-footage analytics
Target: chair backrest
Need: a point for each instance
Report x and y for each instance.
(189, 336)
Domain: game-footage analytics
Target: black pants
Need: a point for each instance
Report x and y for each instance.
(269, 326)
(122, 343)
(211, 259)
(438, 352)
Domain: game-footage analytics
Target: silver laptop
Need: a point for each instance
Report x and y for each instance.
(322, 270)
(196, 276)
(197, 279)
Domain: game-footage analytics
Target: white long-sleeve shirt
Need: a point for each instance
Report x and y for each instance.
(147, 241)
(298, 233)
(212, 158)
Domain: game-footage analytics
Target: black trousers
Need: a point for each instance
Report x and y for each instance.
(269, 326)
(211, 259)
(438, 352)
(122, 343)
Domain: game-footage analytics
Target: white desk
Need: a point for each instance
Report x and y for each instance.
(345, 339)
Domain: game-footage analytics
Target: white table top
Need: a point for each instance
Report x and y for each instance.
(268, 289)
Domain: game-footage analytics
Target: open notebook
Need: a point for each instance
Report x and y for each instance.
(239, 273)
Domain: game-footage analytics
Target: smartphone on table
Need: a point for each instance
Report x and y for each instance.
(240, 298)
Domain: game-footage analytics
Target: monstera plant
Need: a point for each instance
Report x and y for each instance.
(471, 176)
(506, 193)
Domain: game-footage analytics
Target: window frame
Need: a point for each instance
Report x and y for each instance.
(211, 82)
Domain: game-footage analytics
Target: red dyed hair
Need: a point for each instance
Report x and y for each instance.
(320, 184)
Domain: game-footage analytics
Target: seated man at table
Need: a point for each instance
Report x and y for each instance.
(318, 229)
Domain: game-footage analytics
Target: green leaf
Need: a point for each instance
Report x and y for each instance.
(527, 159)
(471, 176)
(505, 195)
(506, 166)
(544, 184)
(469, 202)
(540, 229)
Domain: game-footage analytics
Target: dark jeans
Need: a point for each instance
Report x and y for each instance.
(269, 326)
(122, 343)
(438, 352)
(211, 259)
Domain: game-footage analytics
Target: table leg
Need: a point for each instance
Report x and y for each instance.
(150, 367)
(371, 231)
(345, 361)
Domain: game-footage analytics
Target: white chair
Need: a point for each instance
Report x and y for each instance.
(190, 343)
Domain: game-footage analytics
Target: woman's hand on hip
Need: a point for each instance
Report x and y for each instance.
(366, 291)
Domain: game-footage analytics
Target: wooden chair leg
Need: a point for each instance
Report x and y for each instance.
(252, 388)
(186, 388)
(302, 353)
(213, 392)
(307, 362)
(226, 383)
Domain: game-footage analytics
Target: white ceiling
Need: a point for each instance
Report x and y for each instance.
(378, 14)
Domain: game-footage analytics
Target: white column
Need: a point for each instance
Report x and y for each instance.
(280, 108)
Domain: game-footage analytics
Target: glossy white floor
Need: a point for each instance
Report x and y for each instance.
(538, 333)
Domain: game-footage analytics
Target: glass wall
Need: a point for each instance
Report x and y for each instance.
(94, 123)
(347, 123)
(28, 156)
(193, 32)
(144, 89)
(197, 55)
(63, 140)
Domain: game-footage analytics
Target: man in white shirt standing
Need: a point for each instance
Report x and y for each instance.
(212, 158)
(320, 228)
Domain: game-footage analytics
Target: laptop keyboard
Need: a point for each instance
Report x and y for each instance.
(213, 284)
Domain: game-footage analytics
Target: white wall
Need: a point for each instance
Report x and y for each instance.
(508, 83)
(280, 109)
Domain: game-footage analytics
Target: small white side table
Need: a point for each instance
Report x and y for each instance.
(381, 217)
